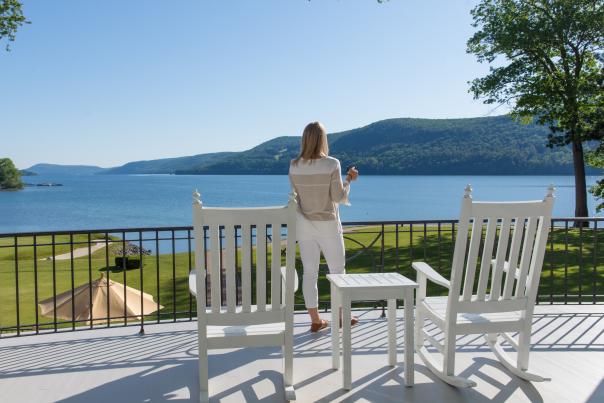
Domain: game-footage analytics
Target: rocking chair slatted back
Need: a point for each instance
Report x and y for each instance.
(225, 241)
(508, 277)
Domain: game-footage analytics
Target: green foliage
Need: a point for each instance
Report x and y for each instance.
(11, 18)
(595, 158)
(545, 61)
(25, 172)
(545, 64)
(10, 178)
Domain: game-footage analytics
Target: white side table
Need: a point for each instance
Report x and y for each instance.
(346, 288)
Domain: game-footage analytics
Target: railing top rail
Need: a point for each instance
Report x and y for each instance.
(190, 228)
(94, 231)
(577, 218)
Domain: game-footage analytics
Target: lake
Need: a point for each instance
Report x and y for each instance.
(117, 201)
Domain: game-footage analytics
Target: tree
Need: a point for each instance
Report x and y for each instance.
(544, 57)
(10, 178)
(595, 158)
(11, 18)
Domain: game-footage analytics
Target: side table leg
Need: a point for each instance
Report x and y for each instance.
(346, 343)
(335, 330)
(409, 347)
(392, 332)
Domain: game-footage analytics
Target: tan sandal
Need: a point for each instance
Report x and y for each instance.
(316, 327)
(353, 321)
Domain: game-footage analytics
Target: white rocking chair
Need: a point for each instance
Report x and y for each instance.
(501, 299)
(267, 322)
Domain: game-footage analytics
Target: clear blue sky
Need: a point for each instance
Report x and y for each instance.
(107, 82)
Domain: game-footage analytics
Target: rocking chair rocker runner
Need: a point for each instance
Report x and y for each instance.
(496, 299)
(269, 322)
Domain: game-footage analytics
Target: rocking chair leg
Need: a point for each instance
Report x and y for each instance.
(204, 395)
(452, 380)
(509, 363)
(449, 354)
(419, 329)
(524, 340)
(446, 371)
(288, 363)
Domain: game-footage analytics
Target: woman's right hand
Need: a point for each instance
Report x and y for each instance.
(352, 174)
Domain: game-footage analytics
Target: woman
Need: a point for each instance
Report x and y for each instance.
(317, 180)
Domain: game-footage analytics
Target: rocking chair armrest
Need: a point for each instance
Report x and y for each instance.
(193, 281)
(296, 281)
(431, 274)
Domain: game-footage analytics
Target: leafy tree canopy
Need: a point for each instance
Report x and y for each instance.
(546, 64)
(547, 61)
(11, 18)
(596, 159)
(10, 178)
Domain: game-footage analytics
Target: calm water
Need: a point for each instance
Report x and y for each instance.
(88, 202)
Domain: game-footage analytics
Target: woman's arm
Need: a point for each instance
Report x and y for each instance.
(291, 182)
(339, 191)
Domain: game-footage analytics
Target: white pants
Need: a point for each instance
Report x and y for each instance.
(310, 253)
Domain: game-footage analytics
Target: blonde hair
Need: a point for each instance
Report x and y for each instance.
(314, 143)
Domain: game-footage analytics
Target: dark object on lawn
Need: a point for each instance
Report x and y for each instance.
(127, 262)
(128, 257)
(132, 250)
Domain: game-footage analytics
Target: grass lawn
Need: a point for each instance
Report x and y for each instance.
(579, 260)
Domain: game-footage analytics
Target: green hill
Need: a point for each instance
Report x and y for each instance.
(24, 172)
(478, 146)
(168, 165)
(56, 169)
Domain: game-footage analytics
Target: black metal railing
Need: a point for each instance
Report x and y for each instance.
(41, 267)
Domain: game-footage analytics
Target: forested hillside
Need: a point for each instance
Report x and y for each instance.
(57, 169)
(477, 146)
(168, 165)
(489, 146)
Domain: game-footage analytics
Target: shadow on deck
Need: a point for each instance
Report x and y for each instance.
(117, 365)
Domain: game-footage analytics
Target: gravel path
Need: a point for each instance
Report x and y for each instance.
(80, 252)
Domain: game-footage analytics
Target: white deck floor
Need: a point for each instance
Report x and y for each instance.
(117, 365)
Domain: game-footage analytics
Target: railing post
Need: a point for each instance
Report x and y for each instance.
(582, 224)
(190, 268)
(107, 272)
(382, 266)
(54, 283)
(71, 264)
(551, 266)
(595, 252)
(36, 283)
(565, 261)
(124, 267)
(140, 259)
(173, 277)
(16, 240)
(90, 280)
(157, 272)
(396, 247)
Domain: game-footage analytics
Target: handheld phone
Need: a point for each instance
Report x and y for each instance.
(349, 167)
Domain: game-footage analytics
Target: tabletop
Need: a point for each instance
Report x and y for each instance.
(373, 280)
